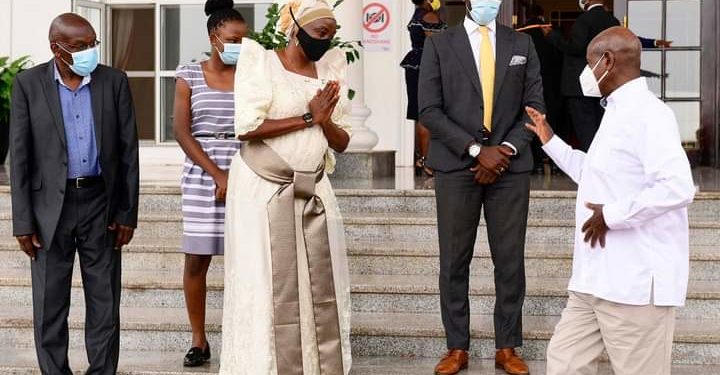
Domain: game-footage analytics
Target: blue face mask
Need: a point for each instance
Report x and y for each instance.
(230, 53)
(484, 11)
(84, 62)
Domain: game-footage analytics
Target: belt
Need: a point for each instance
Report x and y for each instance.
(220, 135)
(84, 182)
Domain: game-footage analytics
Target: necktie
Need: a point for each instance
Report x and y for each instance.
(487, 76)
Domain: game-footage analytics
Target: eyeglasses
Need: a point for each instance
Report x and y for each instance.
(70, 48)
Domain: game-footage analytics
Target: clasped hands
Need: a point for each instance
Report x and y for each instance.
(492, 162)
(323, 104)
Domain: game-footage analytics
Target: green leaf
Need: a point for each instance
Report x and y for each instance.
(351, 94)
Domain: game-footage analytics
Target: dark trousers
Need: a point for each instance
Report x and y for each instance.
(585, 115)
(82, 228)
(460, 201)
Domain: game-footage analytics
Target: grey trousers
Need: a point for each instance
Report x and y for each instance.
(460, 202)
(83, 229)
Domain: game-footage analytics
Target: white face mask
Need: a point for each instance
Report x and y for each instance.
(591, 85)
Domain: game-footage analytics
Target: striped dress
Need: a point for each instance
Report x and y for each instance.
(212, 111)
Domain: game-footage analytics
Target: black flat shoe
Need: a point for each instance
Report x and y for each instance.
(197, 357)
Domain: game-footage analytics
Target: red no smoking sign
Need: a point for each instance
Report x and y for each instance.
(376, 17)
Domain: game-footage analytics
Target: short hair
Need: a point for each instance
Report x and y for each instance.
(219, 12)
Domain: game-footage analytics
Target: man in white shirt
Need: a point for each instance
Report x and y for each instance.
(630, 265)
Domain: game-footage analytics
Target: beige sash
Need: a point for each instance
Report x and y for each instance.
(281, 214)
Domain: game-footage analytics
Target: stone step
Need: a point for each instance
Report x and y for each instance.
(370, 293)
(543, 204)
(370, 258)
(421, 335)
(393, 228)
(544, 296)
(23, 362)
(541, 260)
(398, 227)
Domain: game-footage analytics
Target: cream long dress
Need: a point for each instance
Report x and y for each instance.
(265, 90)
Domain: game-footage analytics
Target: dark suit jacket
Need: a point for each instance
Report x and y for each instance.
(587, 27)
(39, 162)
(550, 66)
(451, 101)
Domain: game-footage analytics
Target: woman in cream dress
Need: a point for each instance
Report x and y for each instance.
(294, 101)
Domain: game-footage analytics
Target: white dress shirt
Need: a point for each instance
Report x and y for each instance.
(473, 32)
(636, 167)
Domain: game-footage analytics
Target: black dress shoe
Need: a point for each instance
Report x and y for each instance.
(197, 357)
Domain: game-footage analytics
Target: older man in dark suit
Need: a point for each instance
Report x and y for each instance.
(475, 81)
(74, 178)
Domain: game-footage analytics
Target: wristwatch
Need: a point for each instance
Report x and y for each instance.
(308, 118)
(474, 150)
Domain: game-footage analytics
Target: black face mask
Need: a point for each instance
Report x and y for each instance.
(314, 48)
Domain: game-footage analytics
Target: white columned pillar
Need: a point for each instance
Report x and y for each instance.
(349, 16)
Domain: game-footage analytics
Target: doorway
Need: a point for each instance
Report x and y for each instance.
(685, 75)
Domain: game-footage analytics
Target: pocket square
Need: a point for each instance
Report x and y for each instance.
(518, 60)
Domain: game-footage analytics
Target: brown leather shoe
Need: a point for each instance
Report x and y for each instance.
(506, 359)
(454, 361)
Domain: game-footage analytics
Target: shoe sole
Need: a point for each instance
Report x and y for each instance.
(463, 367)
(203, 363)
(501, 367)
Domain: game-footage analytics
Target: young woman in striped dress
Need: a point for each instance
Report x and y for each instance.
(204, 121)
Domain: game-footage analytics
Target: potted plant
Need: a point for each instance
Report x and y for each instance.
(8, 71)
(271, 38)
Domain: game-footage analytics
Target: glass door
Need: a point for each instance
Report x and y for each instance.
(675, 73)
(132, 49)
(94, 12)
(183, 39)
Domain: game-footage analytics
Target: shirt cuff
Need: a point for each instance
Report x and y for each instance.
(613, 217)
(554, 146)
(515, 151)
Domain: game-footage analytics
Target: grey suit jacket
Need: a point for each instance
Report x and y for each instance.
(451, 101)
(38, 151)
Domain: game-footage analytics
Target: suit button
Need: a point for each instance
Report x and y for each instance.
(62, 191)
(64, 164)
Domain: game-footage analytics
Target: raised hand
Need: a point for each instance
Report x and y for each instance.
(324, 102)
(540, 126)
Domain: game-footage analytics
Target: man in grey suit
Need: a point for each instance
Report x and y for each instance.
(475, 81)
(74, 177)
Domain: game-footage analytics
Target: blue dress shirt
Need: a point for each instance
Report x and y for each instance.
(79, 128)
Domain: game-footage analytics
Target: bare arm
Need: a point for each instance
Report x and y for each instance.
(183, 134)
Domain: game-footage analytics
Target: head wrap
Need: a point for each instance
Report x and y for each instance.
(305, 11)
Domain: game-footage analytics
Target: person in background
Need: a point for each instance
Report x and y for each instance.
(631, 258)
(551, 72)
(74, 188)
(204, 128)
(425, 21)
(287, 286)
(475, 81)
(585, 113)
